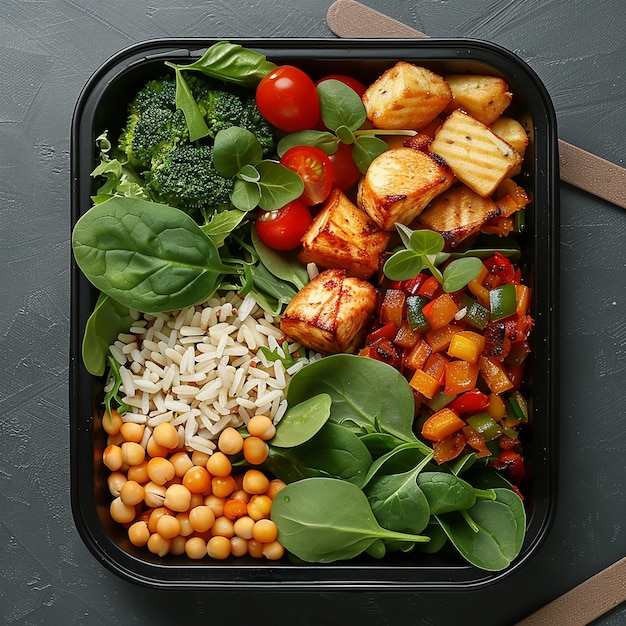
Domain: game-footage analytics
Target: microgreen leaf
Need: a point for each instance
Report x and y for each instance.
(222, 224)
(278, 184)
(318, 138)
(460, 272)
(403, 265)
(187, 103)
(340, 105)
(245, 195)
(249, 173)
(235, 147)
(366, 149)
(426, 242)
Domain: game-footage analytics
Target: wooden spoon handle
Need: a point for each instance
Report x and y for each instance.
(582, 169)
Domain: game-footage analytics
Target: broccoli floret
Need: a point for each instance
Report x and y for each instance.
(154, 124)
(186, 178)
(253, 121)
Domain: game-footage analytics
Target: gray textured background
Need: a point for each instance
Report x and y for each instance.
(48, 49)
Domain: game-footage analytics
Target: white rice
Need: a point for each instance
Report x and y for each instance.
(202, 369)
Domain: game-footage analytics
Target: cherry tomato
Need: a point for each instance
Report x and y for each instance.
(314, 168)
(287, 98)
(353, 83)
(283, 229)
(345, 172)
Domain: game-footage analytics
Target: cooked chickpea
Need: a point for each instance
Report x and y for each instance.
(238, 546)
(230, 441)
(177, 498)
(255, 482)
(197, 479)
(166, 435)
(264, 530)
(139, 472)
(255, 450)
(216, 504)
(218, 547)
(181, 462)
(115, 482)
(240, 494)
(132, 432)
(155, 516)
(219, 465)
(138, 533)
(120, 512)
(273, 550)
(160, 470)
(261, 426)
(196, 548)
(159, 545)
(132, 493)
(255, 548)
(112, 457)
(132, 453)
(111, 422)
(197, 499)
(274, 488)
(259, 507)
(177, 545)
(168, 526)
(234, 509)
(199, 458)
(154, 494)
(223, 486)
(155, 450)
(223, 527)
(201, 518)
(243, 527)
(186, 528)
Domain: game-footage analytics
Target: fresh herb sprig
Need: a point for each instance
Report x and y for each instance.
(423, 250)
(343, 114)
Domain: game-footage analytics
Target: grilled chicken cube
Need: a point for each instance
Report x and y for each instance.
(483, 97)
(514, 134)
(457, 214)
(406, 96)
(331, 313)
(398, 185)
(343, 236)
(476, 155)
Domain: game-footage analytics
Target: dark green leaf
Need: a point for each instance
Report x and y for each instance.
(366, 149)
(426, 242)
(222, 224)
(402, 265)
(278, 184)
(284, 265)
(245, 196)
(340, 105)
(187, 103)
(318, 138)
(460, 272)
(235, 147)
(302, 421)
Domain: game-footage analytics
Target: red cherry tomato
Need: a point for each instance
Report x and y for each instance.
(283, 229)
(314, 168)
(345, 172)
(353, 83)
(287, 98)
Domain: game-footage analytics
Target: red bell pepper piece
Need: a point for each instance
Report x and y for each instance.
(511, 464)
(429, 288)
(501, 269)
(386, 331)
(470, 402)
(411, 286)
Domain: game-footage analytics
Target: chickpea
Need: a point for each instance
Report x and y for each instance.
(201, 518)
(177, 498)
(259, 507)
(240, 494)
(139, 472)
(169, 527)
(243, 527)
(186, 528)
(177, 545)
(261, 426)
(265, 531)
(155, 450)
(112, 457)
(238, 546)
(132, 453)
(132, 432)
(154, 494)
(233, 509)
(132, 493)
(219, 465)
(155, 516)
(181, 462)
(223, 527)
(223, 486)
(166, 435)
(255, 482)
(255, 450)
(159, 545)
(273, 550)
(218, 547)
(160, 470)
(197, 479)
(255, 548)
(197, 499)
(138, 533)
(196, 548)
(199, 458)
(216, 504)
(115, 482)
(274, 488)
(111, 422)
(120, 512)
(230, 441)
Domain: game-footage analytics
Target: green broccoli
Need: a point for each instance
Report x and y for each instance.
(253, 121)
(186, 178)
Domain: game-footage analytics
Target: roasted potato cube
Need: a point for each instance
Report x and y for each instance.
(331, 313)
(457, 214)
(476, 155)
(483, 97)
(399, 184)
(406, 96)
(514, 134)
(343, 236)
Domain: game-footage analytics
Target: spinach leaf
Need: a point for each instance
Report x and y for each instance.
(402, 458)
(312, 526)
(380, 443)
(148, 256)
(333, 451)
(221, 224)
(438, 538)
(368, 396)
(447, 492)
(302, 421)
(490, 534)
(108, 319)
(283, 265)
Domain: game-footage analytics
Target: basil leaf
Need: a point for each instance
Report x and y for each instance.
(148, 256)
(278, 184)
(222, 224)
(108, 319)
(302, 421)
(235, 147)
(402, 265)
(340, 105)
(232, 63)
(460, 272)
(321, 139)
(366, 149)
(187, 103)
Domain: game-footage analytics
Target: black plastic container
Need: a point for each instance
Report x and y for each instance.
(102, 105)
